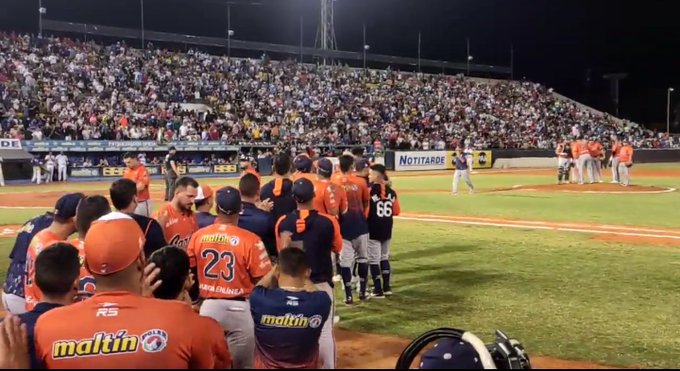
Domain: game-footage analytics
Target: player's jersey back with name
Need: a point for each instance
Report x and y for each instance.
(384, 206)
(40, 242)
(121, 330)
(353, 223)
(329, 198)
(178, 227)
(287, 327)
(227, 258)
(16, 274)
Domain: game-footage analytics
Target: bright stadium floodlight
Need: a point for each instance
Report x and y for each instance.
(231, 33)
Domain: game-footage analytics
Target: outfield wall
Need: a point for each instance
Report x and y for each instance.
(504, 158)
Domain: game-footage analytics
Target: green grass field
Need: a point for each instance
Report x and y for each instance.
(563, 294)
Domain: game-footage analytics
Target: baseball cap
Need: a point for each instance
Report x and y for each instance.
(451, 354)
(303, 190)
(228, 201)
(361, 164)
(67, 205)
(204, 192)
(244, 157)
(325, 166)
(303, 163)
(113, 243)
(172, 148)
(379, 169)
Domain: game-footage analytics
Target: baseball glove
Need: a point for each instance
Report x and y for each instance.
(630, 164)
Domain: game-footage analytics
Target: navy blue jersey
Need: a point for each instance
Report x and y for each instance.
(280, 192)
(16, 273)
(204, 219)
(461, 164)
(153, 234)
(288, 326)
(383, 207)
(318, 234)
(259, 222)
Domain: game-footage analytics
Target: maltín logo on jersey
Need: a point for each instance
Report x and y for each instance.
(154, 341)
(291, 321)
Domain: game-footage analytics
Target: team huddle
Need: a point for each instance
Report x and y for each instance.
(584, 157)
(248, 286)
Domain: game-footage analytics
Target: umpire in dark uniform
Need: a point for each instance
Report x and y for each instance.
(171, 173)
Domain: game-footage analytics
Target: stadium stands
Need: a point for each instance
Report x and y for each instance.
(58, 88)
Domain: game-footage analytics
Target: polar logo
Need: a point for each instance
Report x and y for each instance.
(154, 341)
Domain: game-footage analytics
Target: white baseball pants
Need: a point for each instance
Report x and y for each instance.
(235, 318)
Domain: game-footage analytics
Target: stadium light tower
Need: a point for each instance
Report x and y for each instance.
(614, 79)
(668, 112)
(325, 37)
(41, 12)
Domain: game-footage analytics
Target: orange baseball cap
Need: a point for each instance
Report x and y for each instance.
(204, 193)
(113, 243)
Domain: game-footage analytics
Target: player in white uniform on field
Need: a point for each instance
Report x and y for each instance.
(62, 163)
(49, 167)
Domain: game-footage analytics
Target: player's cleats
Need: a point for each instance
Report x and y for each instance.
(377, 296)
(387, 292)
(337, 278)
(349, 301)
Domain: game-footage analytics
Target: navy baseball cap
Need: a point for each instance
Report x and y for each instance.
(451, 354)
(325, 166)
(361, 164)
(228, 201)
(303, 163)
(172, 148)
(303, 190)
(67, 205)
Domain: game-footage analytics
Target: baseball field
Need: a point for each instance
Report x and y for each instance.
(585, 276)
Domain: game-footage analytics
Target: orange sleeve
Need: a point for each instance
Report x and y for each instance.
(143, 177)
(258, 259)
(160, 218)
(192, 250)
(342, 205)
(337, 237)
(330, 201)
(278, 233)
(208, 349)
(396, 208)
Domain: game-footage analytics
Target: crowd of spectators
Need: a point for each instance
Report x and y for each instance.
(58, 88)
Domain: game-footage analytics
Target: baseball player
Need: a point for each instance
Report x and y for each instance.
(460, 162)
(2, 175)
(204, 202)
(625, 155)
(13, 298)
(49, 167)
(563, 163)
(228, 261)
(57, 270)
(319, 236)
(118, 328)
(246, 164)
(354, 227)
(585, 161)
(253, 218)
(330, 199)
(614, 160)
(574, 161)
(384, 206)
(289, 313)
(136, 172)
(303, 167)
(123, 193)
(595, 149)
(280, 189)
(62, 163)
(469, 157)
(36, 163)
(176, 217)
(363, 169)
(63, 225)
(171, 172)
(89, 209)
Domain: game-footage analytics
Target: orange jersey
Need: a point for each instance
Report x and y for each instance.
(227, 259)
(574, 150)
(595, 149)
(86, 284)
(356, 191)
(616, 148)
(329, 198)
(250, 170)
(177, 226)
(40, 242)
(625, 154)
(139, 175)
(582, 146)
(122, 330)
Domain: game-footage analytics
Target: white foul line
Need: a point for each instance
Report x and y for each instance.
(529, 226)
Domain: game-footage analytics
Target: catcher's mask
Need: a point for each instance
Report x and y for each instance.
(463, 350)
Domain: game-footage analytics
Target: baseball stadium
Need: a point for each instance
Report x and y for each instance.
(440, 205)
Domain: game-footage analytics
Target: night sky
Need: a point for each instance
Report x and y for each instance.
(559, 43)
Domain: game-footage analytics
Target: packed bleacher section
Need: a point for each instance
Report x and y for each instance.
(59, 88)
